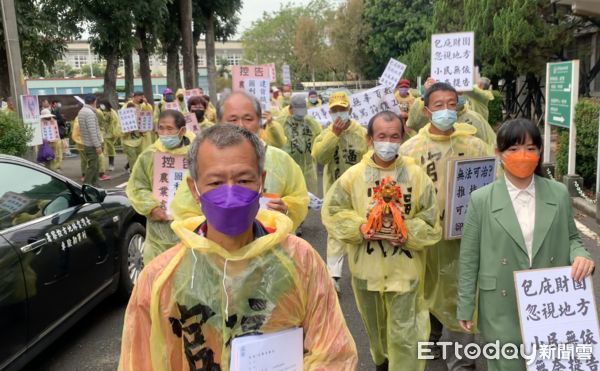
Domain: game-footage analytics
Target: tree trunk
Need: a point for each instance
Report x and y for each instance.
(187, 47)
(129, 74)
(196, 66)
(4, 77)
(210, 56)
(173, 75)
(110, 79)
(145, 71)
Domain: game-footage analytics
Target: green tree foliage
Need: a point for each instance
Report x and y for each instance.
(586, 121)
(14, 134)
(395, 25)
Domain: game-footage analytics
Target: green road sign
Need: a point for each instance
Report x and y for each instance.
(560, 90)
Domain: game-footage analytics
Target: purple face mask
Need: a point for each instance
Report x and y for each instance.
(403, 91)
(230, 209)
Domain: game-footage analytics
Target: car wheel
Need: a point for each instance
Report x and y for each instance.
(132, 257)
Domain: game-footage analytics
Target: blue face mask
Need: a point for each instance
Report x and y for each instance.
(344, 116)
(443, 119)
(460, 103)
(297, 117)
(313, 100)
(170, 141)
(169, 98)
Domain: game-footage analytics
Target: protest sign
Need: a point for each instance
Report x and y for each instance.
(392, 74)
(241, 73)
(12, 202)
(465, 176)
(128, 120)
(260, 89)
(286, 76)
(50, 130)
(36, 129)
(145, 123)
(30, 108)
(172, 106)
(191, 93)
(321, 114)
(368, 103)
(559, 319)
(168, 174)
(191, 123)
(453, 59)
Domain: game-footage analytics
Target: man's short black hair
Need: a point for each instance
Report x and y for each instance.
(138, 93)
(438, 86)
(176, 115)
(89, 99)
(387, 116)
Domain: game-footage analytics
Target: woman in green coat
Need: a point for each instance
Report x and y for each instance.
(521, 221)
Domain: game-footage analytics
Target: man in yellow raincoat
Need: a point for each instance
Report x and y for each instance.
(479, 98)
(301, 131)
(431, 148)
(197, 106)
(405, 100)
(140, 104)
(468, 116)
(340, 146)
(387, 268)
(284, 183)
(180, 96)
(140, 187)
(132, 143)
(109, 127)
(313, 101)
(285, 98)
(236, 272)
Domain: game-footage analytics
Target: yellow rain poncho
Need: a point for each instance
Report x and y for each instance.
(109, 129)
(310, 105)
(432, 152)
(484, 130)
(76, 136)
(301, 136)
(387, 281)
(148, 137)
(478, 100)
(416, 118)
(205, 124)
(159, 236)
(191, 301)
(181, 103)
(211, 113)
(284, 178)
(272, 134)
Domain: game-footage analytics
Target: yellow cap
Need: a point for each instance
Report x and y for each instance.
(339, 99)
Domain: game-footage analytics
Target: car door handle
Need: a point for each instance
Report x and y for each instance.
(36, 245)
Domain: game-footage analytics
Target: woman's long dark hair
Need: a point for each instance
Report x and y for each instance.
(515, 132)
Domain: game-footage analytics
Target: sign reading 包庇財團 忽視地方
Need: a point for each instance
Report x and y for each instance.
(559, 88)
(559, 321)
(453, 59)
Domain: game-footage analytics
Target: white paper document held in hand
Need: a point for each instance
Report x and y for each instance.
(278, 351)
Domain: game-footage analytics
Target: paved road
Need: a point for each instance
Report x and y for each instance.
(94, 343)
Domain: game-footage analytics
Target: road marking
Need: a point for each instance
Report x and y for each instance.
(587, 232)
(123, 185)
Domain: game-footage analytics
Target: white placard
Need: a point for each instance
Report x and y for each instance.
(392, 74)
(36, 129)
(368, 103)
(191, 123)
(464, 177)
(145, 121)
(30, 108)
(559, 320)
(285, 75)
(128, 120)
(50, 130)
(172, 106)
(453, 59)
(279, 351)
(260, 89)
(321, 115)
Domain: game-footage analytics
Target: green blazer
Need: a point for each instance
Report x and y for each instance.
(492, 248)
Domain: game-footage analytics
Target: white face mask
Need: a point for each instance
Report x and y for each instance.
(387, 151)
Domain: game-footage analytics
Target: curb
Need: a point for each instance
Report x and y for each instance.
(584, 206)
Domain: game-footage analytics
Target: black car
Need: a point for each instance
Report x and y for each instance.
(63, 249)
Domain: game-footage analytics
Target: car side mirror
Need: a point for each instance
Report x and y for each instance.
(92, 194)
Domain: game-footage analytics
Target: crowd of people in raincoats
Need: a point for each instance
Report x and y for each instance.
(225, 259)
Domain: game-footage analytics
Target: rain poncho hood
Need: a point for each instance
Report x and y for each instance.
(273, 135)
(478, 100)
(301, 135)
(432, 152)
(484, 130)
(284, 178)
(192, 300)
(159, 236)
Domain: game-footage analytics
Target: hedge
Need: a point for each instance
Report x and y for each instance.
(586, 122)
(14, 135)
(495, 109)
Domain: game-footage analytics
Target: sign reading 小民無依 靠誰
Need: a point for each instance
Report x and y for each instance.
(465, 176)
(559, 320)
(453, 59)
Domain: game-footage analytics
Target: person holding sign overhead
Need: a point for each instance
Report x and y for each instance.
(340, 146)
(140, 104)
(436, 143)
(384, 210)
(521, 221)
(237, 271)
(142, 188)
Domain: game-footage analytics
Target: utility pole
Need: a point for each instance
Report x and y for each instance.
(13, 52)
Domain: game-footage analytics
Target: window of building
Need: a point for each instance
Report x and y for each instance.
(78, 60)
(201, 60)
(233, 60)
